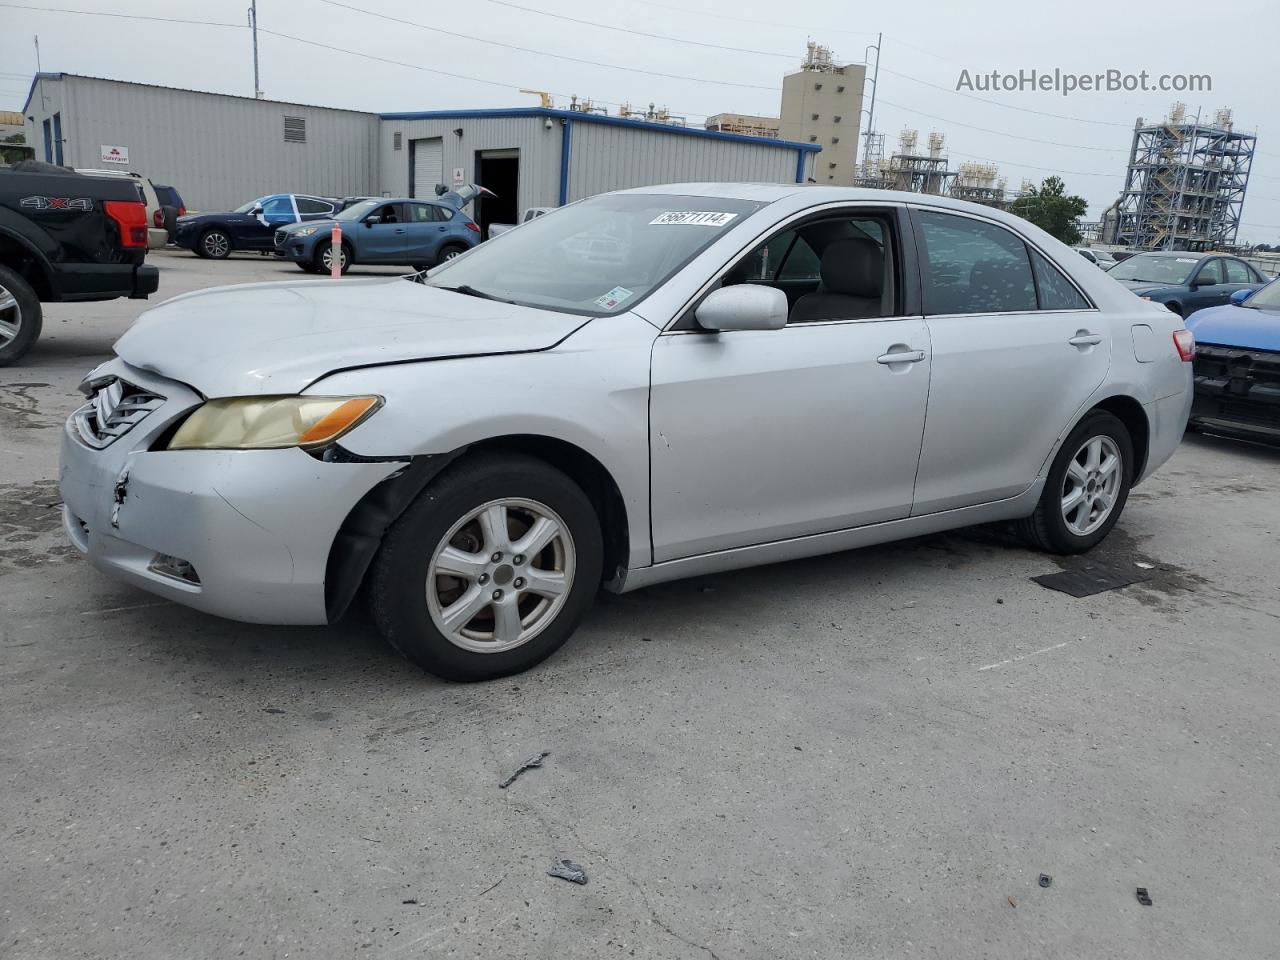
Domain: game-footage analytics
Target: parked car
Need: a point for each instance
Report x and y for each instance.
(481, 449)
(171, 208)
(405, 231)
(1186, 282)
(157, 235)
(250, 226)
(1101, 258)
(533, 213)
(66, 237)
(1237, 367)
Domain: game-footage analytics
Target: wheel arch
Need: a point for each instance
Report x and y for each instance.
(1129, 412)
(363, 529)
(22, 258)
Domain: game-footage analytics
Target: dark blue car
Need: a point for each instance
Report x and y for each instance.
(250, 226)
(399, 232)
(1186, 282)
(1237, 365)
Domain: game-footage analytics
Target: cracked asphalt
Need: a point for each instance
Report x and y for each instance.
(873, 754)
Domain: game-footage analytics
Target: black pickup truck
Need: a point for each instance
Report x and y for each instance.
(66, 237)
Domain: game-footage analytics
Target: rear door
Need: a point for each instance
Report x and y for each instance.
(426, 228)
(1017, 350)
(1239, 276)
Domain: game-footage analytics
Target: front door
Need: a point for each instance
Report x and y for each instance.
(1017, 351)
(1208, 287)
(259, 232)
(763, 435)
(383, 235)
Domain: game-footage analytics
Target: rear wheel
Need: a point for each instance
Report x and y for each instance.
(1087, 487)
(214, 245)
(20, 316)
(449, 251)
(490, 570)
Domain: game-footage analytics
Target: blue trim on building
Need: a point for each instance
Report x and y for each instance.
(597, 118)
(32, 89)
(799, 166)
(566, 144)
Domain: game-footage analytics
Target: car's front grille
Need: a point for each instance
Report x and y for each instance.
(280, 239)
(115, 407)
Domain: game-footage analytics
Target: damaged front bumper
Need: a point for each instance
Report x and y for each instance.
(243, 534)
(1237, 390)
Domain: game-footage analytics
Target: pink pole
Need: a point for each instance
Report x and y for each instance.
(335, 252)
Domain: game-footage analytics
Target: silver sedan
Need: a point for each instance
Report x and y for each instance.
(641, 386)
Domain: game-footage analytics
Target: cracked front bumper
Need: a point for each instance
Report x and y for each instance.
(256, 526)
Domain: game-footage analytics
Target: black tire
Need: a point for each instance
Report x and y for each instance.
(1046, 529)
(307, 267)
(323, 248)
(25, 313)
(398, 600)
(451, 250)
(214, 245)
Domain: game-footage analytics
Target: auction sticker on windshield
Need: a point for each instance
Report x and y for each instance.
(612, 298)
(694, 218)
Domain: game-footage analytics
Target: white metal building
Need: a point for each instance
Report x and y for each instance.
(220, 150)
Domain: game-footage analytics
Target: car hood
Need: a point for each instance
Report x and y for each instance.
(277, 338)
(324, 226)
(1144, 287)
(1252, 328)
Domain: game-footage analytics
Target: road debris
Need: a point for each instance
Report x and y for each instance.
(1012, 902)
(272, 710)
(534, 761)
(1045, 880)
(1092, 577)
(1144, 898)
(1144, 566)
(568, 870)
(411, 902)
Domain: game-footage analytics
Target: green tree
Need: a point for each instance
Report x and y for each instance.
(1052, 209)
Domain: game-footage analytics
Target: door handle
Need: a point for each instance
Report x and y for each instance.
(906, 356)
(1085, 339)
(401, 230)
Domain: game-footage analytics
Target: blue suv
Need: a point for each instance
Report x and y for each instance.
(400, 232)
(250, 226)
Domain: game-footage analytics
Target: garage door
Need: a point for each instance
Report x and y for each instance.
(428, 166)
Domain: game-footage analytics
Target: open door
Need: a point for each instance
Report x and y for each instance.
(499, 171)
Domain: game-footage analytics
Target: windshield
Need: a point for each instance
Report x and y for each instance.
(357, 210)
(246, 207)
(1268, 296)
(1155, 268)
(597, 257)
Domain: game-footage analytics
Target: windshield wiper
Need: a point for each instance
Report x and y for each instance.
(471, 291)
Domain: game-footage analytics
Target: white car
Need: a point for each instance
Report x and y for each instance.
(756, 373)
(1099, 258)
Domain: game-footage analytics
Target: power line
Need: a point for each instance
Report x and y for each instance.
(1001, 133)
(123, 16)
(544, 53)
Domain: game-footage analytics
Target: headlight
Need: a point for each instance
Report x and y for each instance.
(305, 231)
(265, 423)
(1144, 298)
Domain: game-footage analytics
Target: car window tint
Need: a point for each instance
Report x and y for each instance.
(420, 213)
(801, 263)
(974, 267)
(389, 213)
(1237, 272)
(1211, 271)
(763, 262)
(1056, 291)
(440, 213)
(310, 205)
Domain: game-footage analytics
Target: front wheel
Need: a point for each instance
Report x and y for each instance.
(307, 266)
(1087, 487)
(20, 316)
(490, 570)
(324, 259)
(214, 245)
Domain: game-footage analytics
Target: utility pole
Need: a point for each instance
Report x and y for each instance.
(875, 84)
(253, 25)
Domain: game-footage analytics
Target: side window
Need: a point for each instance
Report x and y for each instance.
(1211, 272)
(1237, 272)
(973, 267)
(801, 263)
(278, 207)
(1056, 291)
(309, 205)
(442, 214)
(389, 213)
(420, 213)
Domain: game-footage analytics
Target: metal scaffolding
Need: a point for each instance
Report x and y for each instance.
(1186, 183)
(980, 183)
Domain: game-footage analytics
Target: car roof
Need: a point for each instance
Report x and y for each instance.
(1183, 254)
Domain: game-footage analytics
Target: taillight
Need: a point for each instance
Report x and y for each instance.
(182, 211)
(131, 218)
(1185, 341)
(158, 218)
(473, 226)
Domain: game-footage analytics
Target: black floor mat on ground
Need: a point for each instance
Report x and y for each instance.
(1093, 577)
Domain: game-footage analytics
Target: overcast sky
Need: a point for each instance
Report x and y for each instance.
(1234, 41)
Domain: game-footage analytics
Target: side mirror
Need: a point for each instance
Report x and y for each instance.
(370, 221)
(255, 212)
(743, 306)
(1205, 282)
(1240, 296)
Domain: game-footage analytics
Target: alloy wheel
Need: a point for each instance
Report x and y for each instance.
(500, 575)
(10, 316)
(217, 245)
(326, 257)
(1091, 485)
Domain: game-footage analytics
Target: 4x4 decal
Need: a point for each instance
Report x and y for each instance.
(57, 203)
